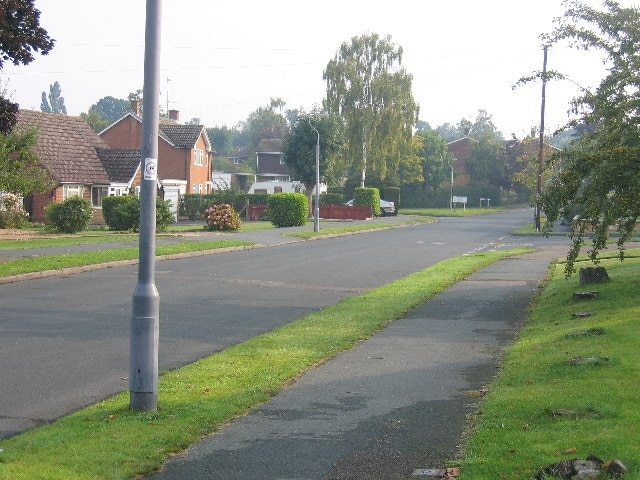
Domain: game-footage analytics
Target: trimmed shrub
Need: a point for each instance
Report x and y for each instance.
(288, 209)
(193, 205)
(164, 216)
(222, 217)
(70, 216)
(123, 213)
(368, 197)
(331, 199)
(392, 194)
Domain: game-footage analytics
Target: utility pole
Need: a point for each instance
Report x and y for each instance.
(541, 144)
(316, 211)
(145, 318)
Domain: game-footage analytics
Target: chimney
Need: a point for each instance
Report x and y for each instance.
(135, 107)
(174, 115)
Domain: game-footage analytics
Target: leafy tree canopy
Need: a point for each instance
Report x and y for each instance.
(54, 102)
(20, 33)
(370, 90)
(435, 158)
(20, 170)
(106, 111)
(598, 177)
(299, 151)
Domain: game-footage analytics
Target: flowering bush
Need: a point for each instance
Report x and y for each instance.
(12, 215)
(222, 218)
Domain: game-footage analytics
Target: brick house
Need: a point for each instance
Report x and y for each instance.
(185, 155)
(69, 150)
(461, 151)
(270, 162)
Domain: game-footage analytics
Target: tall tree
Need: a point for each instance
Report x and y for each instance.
(436, 160)
(487, 163)
(299, 152)
(264, 123)
(21, 34)
(110, 108)
(368, 87)
(20, 170)
(54, 102)
(599, 174)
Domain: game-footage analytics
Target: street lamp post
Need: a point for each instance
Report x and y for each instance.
(145, 317)
(316, 212)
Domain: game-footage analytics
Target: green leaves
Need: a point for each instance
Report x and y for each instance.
(596, 185)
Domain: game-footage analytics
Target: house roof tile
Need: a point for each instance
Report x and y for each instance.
(121, 164)
(270, 145)
(182, 136)
(66, 146)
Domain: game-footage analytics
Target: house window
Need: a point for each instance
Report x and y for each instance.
(198, 157)
(97, 194)
(277, 189)
(197, 188)
(281, 159)
(236, 161)
(71, 191)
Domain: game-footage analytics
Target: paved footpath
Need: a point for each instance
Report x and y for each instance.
(391, 407)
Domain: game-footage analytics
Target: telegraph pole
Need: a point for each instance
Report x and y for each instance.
(145, 318)
(541, 144)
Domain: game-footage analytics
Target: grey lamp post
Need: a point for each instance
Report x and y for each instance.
(316, 213)
(144, 337)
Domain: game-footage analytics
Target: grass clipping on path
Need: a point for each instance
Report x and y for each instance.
(544, 408)
(108, 441)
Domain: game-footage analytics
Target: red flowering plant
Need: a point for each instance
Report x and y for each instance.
(222, 218)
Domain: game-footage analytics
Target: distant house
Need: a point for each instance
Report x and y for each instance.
(461, 151)
(69, 150)
(185, 155)
(270, 162)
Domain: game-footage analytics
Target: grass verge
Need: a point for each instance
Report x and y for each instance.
(307, 234)
(543, 408)
(108, 441)
(57, 262)
(446, 212)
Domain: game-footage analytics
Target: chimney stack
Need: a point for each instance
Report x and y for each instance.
(174, 115)
(135, 107)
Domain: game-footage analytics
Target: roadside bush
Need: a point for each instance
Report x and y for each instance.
(12, 215)
(288, 209)
(70, 216)
(392, 194)
(122, 213)
(222, 218)
(331, 199)
(193, 205)
(368, 197)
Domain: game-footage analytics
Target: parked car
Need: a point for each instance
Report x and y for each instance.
(386, 208)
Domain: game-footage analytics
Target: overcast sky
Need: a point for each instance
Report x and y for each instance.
(225, 59)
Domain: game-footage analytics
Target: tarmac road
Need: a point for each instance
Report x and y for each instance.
(65, 344)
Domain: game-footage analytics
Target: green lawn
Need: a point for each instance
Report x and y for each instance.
(542, 408)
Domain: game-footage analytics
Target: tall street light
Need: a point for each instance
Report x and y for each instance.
(316, 212)
(145, 316)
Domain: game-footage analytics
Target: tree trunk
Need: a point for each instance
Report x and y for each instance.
(309, 186)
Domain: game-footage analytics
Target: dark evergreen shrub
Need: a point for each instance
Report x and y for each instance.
(123, 213)
(70, 216)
